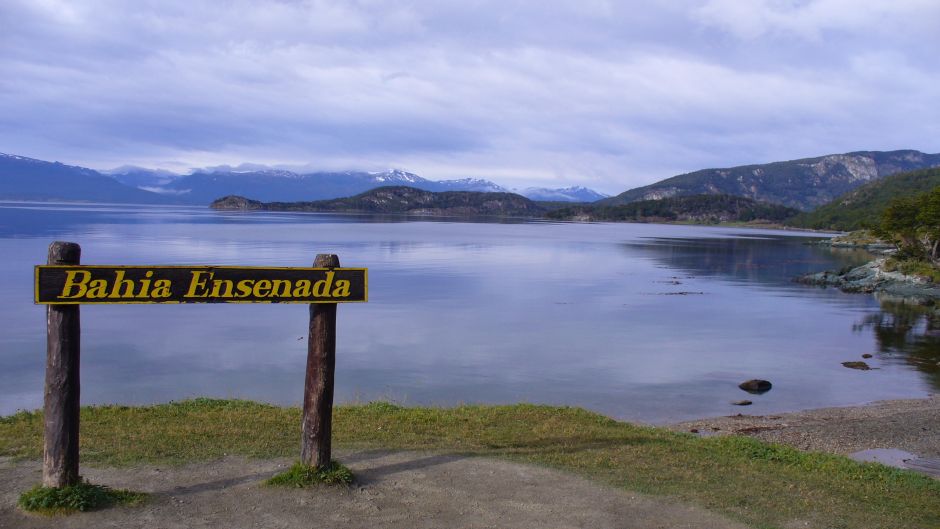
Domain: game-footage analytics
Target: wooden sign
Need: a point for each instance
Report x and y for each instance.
(63, 284)
(71, 285)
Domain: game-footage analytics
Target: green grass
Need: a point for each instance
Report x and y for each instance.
(913, 267)
(83, 496)
(761, 484)
(300, 475)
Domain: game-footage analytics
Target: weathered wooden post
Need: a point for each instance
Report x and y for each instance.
(318, 384)
(61, 405)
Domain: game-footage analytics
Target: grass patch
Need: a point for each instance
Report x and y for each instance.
(79, 497)
(301, 475)
(913, 267)
(761, 484)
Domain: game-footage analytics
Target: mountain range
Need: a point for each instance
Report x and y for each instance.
(804, 184)
(24, 178)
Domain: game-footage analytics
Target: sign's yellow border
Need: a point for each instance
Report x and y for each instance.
(36, 269)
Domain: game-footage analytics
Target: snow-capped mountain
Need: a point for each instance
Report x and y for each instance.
(468, 184)
(565, 194)
(394, 177)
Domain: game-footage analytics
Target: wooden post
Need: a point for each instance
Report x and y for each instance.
(61, 399)
(318, 384)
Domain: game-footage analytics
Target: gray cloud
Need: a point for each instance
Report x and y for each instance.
(605, 94)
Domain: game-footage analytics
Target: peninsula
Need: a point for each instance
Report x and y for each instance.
(401, 200)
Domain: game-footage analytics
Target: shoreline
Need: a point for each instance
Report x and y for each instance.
(911, 425)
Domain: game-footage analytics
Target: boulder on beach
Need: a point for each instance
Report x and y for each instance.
(742, 403)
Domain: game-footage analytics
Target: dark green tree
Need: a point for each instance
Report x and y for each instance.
(928, 218)
(913, 225)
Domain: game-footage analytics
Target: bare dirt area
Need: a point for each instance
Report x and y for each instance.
(911, 425)
(392, 489)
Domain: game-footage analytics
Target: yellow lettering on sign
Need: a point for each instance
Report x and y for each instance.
(321, 288)
(244, 288)
(119, 283)
(218, 284)
(262, 288)
(302, 288)
(161, 288)
(70, 284)
(197, 285)
(145, 285)
(98, 289)
(280, 288)
(342, 289)
(138, 284)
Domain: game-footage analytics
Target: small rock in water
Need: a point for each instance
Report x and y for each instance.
(742, 403)
(857, 365)
(866, 355)
(756, 386)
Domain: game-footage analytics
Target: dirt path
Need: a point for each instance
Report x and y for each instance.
(393, 490)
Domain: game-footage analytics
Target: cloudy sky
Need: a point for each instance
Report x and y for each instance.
(607, 94)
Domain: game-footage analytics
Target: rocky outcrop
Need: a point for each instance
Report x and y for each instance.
(859, 239)
(872, 277)
(874, 247)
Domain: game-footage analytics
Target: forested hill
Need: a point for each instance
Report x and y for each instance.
(703, 209)
(863, 206)
(402, 200)
(803, 184)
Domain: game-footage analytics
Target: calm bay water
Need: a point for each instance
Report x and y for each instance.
(644, 322)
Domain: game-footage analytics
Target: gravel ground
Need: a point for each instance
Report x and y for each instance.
(909, 425)
(392, 490)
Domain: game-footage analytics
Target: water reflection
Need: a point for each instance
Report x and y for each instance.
(745, 257)
(907, 333)
(904, 333)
